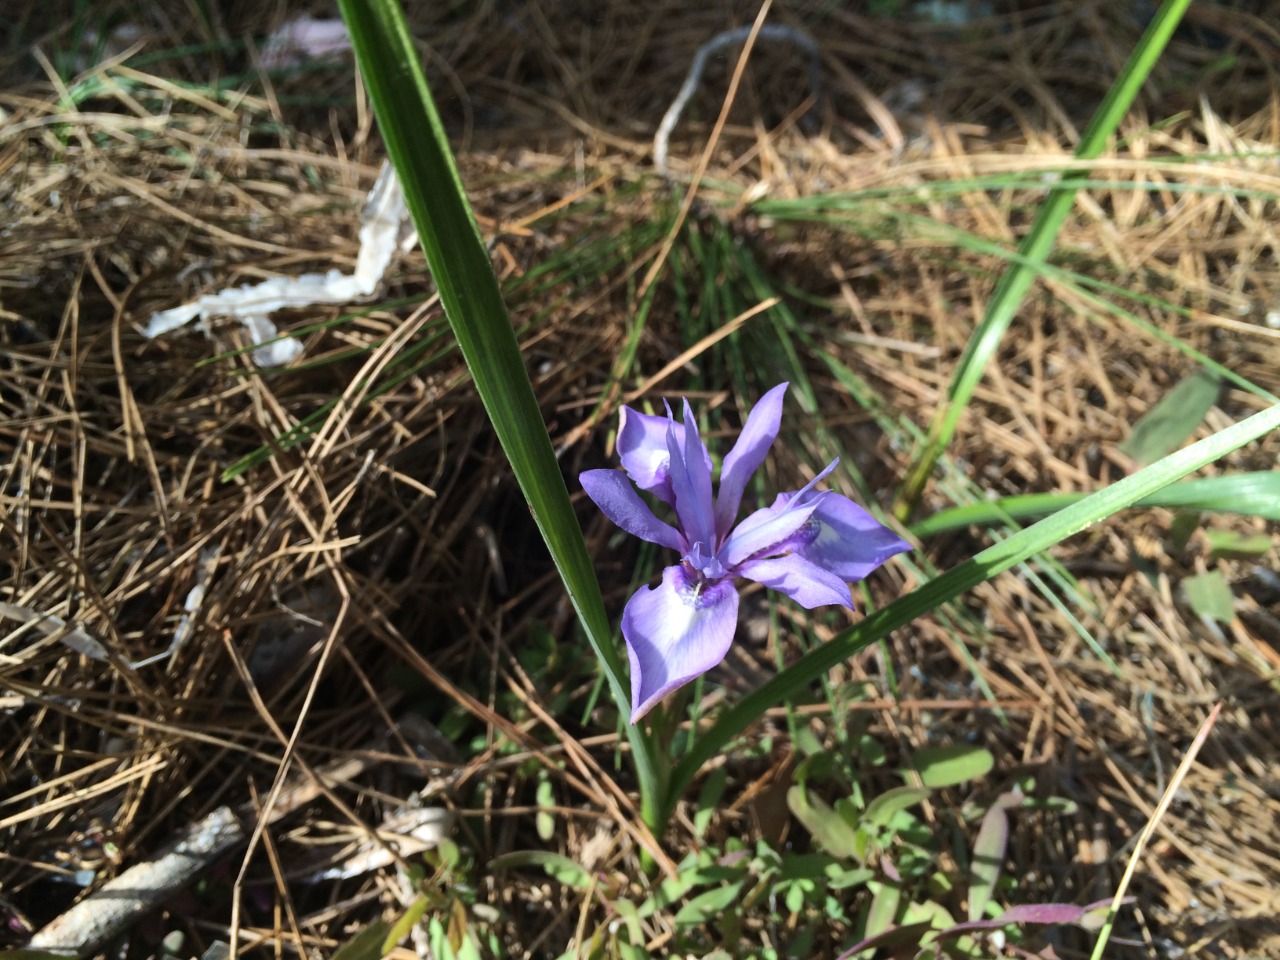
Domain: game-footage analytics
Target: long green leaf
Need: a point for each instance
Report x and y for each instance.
(1249, 494)
(978, 569)
(1016, 281)
(1088, 288)
(419, 150)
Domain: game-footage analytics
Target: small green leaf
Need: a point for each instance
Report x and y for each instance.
(402, 927)
(439, 944)
(882, 809)
(839, 878)
(806, 866)
(1209, 595)
(940, 922)
(1164, 427)
(869, 748)
(952, 764)
(885, 898)
(709, 800)
(447, 854)
(365, 945)
(930, 912)
(818, 767)
(709, 905)
(568, 872)
(848, 811)
(807, 742)
(831, 830)
(544, 820)
(864, 842)
(940, 885)
(1228, 543)
(988, 853)
(688, 875)
(630, 916)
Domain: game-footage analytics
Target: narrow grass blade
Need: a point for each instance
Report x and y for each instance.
(1016, 281)
(966, 576)
(1090, 289)
(419, 150)
(1248, 494)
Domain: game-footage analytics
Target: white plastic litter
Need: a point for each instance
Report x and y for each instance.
(71, 634)
(404, 833)
(768, 31)
(385, 228)
(305, 39)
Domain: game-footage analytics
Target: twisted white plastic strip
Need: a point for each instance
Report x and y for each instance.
(385, 229)
(768, 31)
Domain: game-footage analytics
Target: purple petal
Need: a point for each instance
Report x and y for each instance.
(674, 633)
(807, 496)
(642, 448)
(757, 436)
(691, 480)
(806, 583)
(848, 541)
(768, 530)
(618, 501)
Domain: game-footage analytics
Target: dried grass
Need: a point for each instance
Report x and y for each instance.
(353, 571)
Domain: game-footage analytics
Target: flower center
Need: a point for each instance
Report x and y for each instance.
(706, 566)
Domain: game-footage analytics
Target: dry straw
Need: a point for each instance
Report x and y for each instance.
(351, 570)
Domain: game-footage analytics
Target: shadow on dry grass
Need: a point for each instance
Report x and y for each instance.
(376, 578)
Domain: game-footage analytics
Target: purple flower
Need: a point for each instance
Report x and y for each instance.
(810, 544)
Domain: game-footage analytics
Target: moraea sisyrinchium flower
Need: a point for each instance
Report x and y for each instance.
(809, 544)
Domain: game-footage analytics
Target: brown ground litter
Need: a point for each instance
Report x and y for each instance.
(384, 564)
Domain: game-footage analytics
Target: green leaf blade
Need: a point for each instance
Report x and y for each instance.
(419, 150)
(1014, 283)
(996, 559)
(953, 764)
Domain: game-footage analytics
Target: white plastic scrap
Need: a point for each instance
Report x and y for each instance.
(385, 228)
(206, 565)
(70, 634)
(768, 31)
(304, 39)
(403, 833)
(952, 13)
